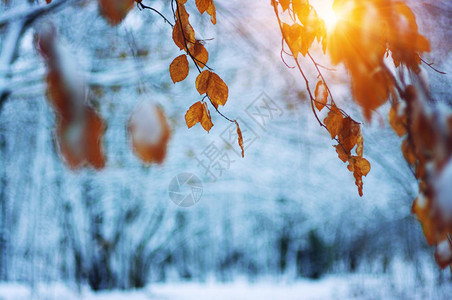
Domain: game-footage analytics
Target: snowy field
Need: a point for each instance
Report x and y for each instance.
(332, 287)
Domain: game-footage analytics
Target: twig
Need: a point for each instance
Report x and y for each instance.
(431, 66)
(142, 6)
(193, 58)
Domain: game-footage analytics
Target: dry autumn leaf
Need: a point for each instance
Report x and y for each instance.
(200, 54)
(114, 11)
(179, 68)
(203, 5)
(397, 120)
(240, 138)
(149, 132)
(360, 167)
(284, 4)
(212, 12)
(198, 113)
(349, 133)
(333, 121)
(215, 88)
(321, 95)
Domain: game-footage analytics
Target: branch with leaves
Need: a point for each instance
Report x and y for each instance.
(370, 34)
(299, 36)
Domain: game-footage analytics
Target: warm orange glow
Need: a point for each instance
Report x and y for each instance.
(328, 15)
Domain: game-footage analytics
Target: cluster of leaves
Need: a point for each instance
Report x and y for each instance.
(307, 27)
(369, 34)
(207, 82)
(427, 147)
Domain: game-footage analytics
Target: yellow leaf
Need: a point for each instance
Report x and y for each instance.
(284, 4)
(179, 68)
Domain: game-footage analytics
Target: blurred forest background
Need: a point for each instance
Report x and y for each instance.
(288, 210)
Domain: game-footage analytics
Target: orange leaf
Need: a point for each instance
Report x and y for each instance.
(212, 12)
(114, 11)
(179, 68)
(203, 5)
(183, 33)
(321, 95)
(217, 90)
(344, 156)
(210, 83)
(200, 54)
(93, 135)
(292, 35)
(360, 145)
(349, 133)
(398, 122)
(284, 4)
(422, 208)
(240, 138)
(149, 132)
(333, 121)
(360, 167)
(198, 113)
(408, 152)
(443, 253)
(202, 82)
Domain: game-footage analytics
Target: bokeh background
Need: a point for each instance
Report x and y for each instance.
(285, 222)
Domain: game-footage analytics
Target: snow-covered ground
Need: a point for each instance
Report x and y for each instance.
(358, 286)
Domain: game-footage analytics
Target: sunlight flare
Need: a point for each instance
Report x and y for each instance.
(328, 15)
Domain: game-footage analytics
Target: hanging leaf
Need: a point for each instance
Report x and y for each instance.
(203, 5)
(114, 11)
(198, 113)
(284, 4)
(360, 167)
(349, 133)
(212, 12)
(183, 33)
(240, 138)
(179, 68)
(149, 132)
(211, 84)
(200, 54)
(202, 82)
(333, 121)
(397, 120)
(92, 139)
(321, 95)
